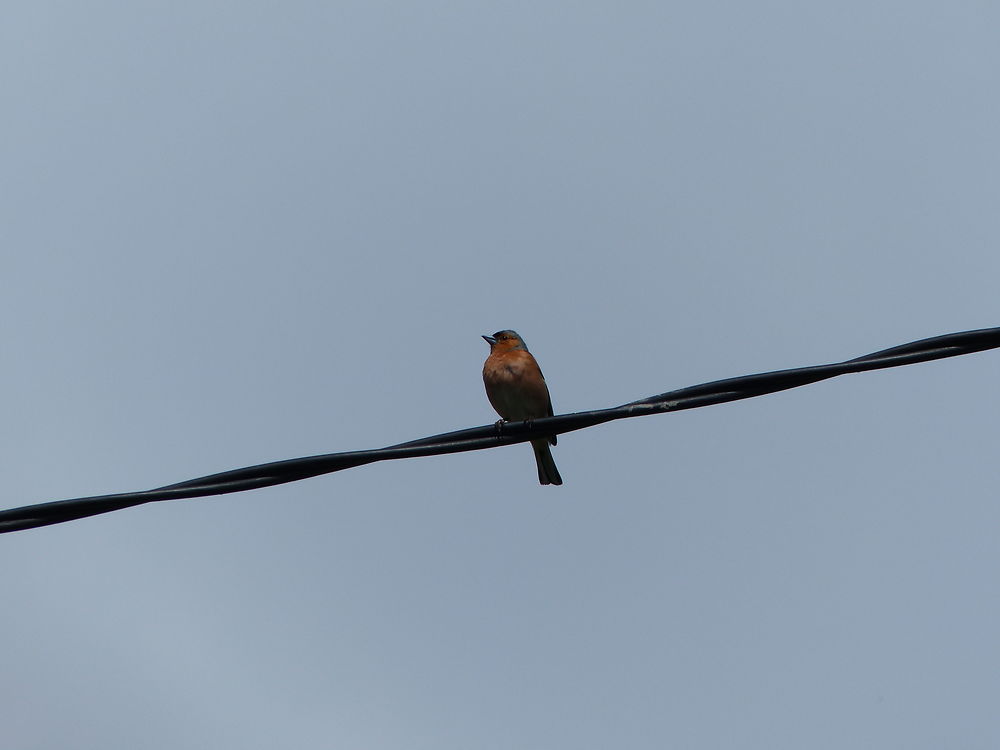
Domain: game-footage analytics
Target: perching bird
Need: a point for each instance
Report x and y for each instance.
(517, 390)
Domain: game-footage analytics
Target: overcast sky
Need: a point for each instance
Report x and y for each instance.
(241, 232)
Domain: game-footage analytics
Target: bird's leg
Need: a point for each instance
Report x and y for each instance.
(499, 427)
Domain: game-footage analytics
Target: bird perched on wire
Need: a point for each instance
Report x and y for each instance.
(517, 390)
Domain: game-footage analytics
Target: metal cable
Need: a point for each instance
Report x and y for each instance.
(492, 436)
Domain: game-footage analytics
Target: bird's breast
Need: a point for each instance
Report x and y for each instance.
(515, 389)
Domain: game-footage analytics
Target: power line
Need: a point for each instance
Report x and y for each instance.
(492, 436)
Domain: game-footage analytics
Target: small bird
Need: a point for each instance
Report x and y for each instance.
(517, 390)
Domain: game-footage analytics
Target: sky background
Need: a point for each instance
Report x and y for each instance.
(241, 232)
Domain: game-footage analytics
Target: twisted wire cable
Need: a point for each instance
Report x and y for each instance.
(492, 436)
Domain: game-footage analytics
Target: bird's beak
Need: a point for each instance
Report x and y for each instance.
(490, 340)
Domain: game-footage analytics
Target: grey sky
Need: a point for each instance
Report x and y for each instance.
(240, 232)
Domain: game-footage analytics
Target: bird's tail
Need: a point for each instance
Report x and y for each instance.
(547, 471)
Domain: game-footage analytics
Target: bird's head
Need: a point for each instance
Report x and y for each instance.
(505, 341)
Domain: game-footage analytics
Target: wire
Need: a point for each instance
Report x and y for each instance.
(492, 436)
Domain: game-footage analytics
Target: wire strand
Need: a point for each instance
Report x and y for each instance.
(507, 433)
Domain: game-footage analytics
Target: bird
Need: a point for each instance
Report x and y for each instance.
(517, 390)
